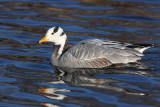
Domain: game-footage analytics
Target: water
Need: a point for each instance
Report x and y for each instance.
(28, 79)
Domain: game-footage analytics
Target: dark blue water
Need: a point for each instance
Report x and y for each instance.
(28, 79)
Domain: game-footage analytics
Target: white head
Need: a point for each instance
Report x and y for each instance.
(55, 35)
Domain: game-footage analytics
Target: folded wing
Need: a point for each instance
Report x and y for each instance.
(96, 53)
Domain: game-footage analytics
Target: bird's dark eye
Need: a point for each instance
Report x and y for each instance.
(52, 33)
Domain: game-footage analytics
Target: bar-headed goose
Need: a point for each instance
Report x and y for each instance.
(91, 53)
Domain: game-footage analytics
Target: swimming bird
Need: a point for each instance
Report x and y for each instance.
(91, 53)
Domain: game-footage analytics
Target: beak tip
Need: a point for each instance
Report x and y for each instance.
(44, 39)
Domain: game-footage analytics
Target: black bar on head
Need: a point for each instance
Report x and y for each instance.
(56, 29)
(62, 34)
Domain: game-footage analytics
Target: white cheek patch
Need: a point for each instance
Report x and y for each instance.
(50, 34)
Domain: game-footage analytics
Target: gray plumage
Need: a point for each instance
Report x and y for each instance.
(91, 53)
(96, 53)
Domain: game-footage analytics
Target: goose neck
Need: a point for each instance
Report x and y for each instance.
(58, 50)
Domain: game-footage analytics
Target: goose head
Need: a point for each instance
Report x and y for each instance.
(55, 35)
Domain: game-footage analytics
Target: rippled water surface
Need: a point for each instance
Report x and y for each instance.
(28, 79)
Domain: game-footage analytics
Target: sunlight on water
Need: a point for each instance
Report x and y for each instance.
(28, 79)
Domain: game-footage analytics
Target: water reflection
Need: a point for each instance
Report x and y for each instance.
(78, 86)
(52, 92)
(88, 78)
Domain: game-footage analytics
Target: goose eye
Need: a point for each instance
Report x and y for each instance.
(52, 33)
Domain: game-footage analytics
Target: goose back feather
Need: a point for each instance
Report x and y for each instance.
(96, 53)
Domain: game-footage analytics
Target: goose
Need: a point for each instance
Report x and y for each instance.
(91, 53)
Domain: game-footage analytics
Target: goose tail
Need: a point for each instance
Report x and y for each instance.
(140, 47)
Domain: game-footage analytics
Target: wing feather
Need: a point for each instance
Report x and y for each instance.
(95, 53)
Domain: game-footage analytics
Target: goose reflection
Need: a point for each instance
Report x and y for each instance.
(28, 82)
(88, 78)
(51, 93)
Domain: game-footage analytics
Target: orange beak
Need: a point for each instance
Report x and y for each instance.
(44, 39)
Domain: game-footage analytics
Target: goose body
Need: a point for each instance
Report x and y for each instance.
(91, 53)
